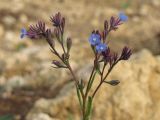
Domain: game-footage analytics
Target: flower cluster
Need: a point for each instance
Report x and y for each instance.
(95, 37)
(98, 42)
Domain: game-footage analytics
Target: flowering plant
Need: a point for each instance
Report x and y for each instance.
(100, 47)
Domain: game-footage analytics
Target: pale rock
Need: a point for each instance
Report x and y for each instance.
(15, 82)
(156, 3)
(9, 20)
(136, 97)
(144, 10)
(41, 116)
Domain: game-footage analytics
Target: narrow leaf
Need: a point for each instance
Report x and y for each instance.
(98, 71)
(81, 85)
(91, 81)
(79, 96)
(89, 108)
(97, 66)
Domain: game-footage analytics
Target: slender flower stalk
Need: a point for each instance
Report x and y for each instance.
(102, 55)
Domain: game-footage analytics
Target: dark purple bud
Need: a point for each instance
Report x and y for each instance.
(104, 35)
(126, 53)
(56, 19)
(49, 38)
(93, 32)
(107, 55)
(113, 82)
(112, 20)
(58, 64)
(63, 24)
(106, 25)
(37, 31)
(41, 26)
(69, 44)
(114, 59)
(97, 32)
(114, 23)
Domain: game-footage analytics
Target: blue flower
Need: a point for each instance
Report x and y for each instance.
(23, 33)
(123, 17)
(94, 39)
(101, 47)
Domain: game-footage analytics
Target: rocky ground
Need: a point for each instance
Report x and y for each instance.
(28, 82)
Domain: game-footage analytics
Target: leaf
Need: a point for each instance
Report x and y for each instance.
(81, 85)
(97, 66)
(89, 108)
(79, 96)
(91, 81)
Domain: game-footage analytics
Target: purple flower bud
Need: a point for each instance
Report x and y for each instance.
(49, 39)
(113, 82)
(107, 55)
(56, 19)
(114, 23)
(37, 31)
(126, 53)
(101, 47)
(95, 39)
(69, 44)
(63, 24)
(58, 64)
(113, 59)
(106, 25)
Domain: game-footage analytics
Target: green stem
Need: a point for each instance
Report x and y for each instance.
(103, 79)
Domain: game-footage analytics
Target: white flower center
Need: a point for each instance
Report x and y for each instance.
(101, 48)
(94, 39)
